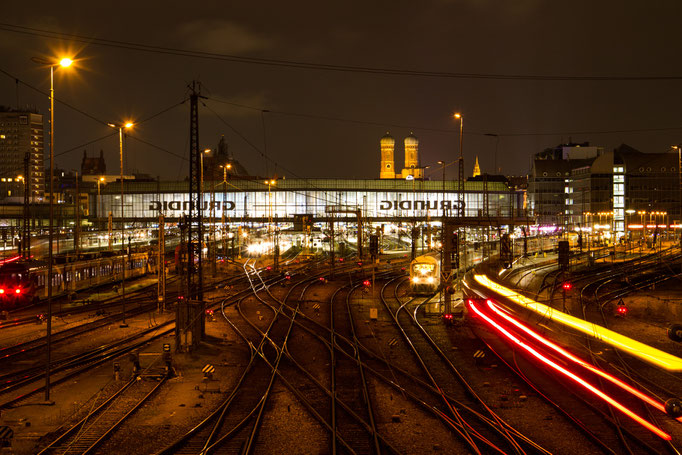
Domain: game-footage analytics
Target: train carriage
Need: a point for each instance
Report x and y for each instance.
(425, 275)
(23, 282)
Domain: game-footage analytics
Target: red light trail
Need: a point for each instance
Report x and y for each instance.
(571, 375)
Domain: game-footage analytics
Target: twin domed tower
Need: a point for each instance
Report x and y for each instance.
(412, 168)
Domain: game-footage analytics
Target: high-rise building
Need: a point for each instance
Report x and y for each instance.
(21, 136)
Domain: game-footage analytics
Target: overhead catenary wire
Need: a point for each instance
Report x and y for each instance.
(297, 64)
(443, 130)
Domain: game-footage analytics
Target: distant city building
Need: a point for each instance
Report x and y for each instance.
(217, 159)
(93, 165)
(21, 137)
(607, 188)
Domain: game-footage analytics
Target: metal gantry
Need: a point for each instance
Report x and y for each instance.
(195, 217)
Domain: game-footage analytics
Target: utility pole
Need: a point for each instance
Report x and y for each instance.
(76, 231)
(110, 229)
(195, 221)
(26, 236)
(331, 245)
(161, 267)
(360, 227)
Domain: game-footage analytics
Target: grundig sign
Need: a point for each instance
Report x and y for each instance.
(420, 205)
(185, 205)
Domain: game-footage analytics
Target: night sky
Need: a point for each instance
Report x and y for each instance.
(327, 123)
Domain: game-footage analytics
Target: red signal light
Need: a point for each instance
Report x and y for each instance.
(209, 312)
(268, 268)
(366, 283)
(360, 264)
(17, 290)
(2, 291)
(622, 310)
(322, 278)
(567, 286)
(340, 259)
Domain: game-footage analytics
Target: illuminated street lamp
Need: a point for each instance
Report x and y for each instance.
(679, 174)
(628, 213)
(121, 127)
(270, 183)
(99, 204)
(64, 62)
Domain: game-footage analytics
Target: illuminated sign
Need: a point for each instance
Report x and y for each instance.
(185, 205)
(420, 205)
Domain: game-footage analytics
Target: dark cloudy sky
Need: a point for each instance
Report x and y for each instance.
(523, 37)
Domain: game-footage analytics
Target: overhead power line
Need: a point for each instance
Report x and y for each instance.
(130, 45)
(440, 130)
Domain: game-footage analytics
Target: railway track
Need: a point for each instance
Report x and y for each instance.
(90, 432)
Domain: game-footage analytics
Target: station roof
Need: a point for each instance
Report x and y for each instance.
(131, 187)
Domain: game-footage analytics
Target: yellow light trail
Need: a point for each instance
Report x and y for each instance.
(632, 347)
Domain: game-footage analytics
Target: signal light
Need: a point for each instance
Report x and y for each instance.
(402, 269)
(340, 259)
(447, 316)
(567, 286)
(268, 268)
(359, 264)
(322, 279)
(622, 310)
(2, 291)
(209, 312)
(366, 283)
(17, 290)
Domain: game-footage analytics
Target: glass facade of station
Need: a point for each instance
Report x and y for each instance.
(250, 199)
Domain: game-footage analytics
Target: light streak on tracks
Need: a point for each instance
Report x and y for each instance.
(569, 374)
(633, 347)
(628, 388)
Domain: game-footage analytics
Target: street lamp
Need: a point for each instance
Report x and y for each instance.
(225, 167)
(628, 214)
(64, 62)
(99, 205)
(121, 127)
(269, 183)
(679, 174)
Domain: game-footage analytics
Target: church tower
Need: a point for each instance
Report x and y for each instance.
(477, 169)
(412, 158)
(387, 170)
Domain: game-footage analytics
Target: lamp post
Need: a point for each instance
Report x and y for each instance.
(99, 205)
(121, 127)
(201, 187)
(269, 183)
(679, 175)
(64, 63)
(628, 214)
(225, 167)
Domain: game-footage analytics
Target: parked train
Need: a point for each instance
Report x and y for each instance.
(24, 281)
(425, 275)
